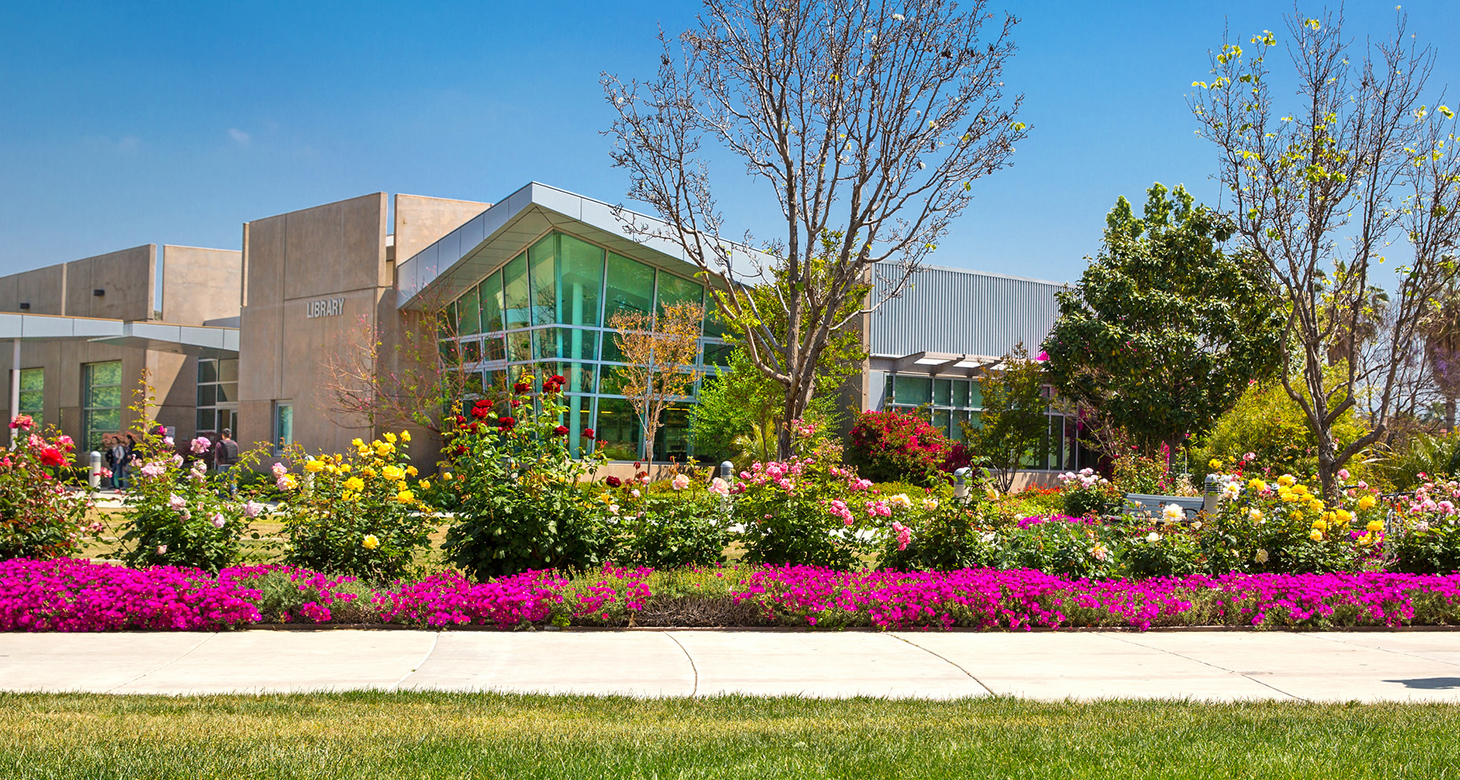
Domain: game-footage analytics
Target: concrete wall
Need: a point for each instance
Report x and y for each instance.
(332, 251)
(200, 284)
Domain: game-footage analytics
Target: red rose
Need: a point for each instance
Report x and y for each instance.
(506, 423)
(461, 449)
(484, 404)
(516, 403)
(51, 456)
(561, 430)
(479, 412)
(587, 433)
(460, 420)
(557, 379)
(613, 481)
(521, 387)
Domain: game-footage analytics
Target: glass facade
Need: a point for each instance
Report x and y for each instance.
(217, 395)
(547, 311)
(33, 394)
(101, 401)
(948, 402)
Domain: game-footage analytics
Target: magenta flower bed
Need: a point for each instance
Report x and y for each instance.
(70, 595)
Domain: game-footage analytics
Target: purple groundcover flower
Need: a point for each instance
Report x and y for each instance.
(73, 595)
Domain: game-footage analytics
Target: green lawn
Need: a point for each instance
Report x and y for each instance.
(386, 735)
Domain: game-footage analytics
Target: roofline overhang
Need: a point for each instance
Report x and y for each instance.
(452, 265)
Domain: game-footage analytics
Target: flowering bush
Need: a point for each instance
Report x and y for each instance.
(177, 513)
(41, 518)
(286, 594)
(1424, 535)
(520, 498)
(807, 511)
(356, 514)
(899, 447)
(938, 532)
(72, 595)
(689, 525)
(1089, 494)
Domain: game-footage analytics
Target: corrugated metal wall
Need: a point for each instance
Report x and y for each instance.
(962, 312)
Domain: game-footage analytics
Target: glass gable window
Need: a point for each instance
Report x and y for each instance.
(101, 401)
(579, 281)
(547, 311)
(33, 394)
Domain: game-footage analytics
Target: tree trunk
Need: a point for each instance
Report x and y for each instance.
(1450, 413)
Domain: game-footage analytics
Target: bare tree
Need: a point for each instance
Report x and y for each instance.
(399, 378)
(660, 353)
(1323, 191)
(868, 119)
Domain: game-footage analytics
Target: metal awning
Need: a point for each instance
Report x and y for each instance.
(202, 340)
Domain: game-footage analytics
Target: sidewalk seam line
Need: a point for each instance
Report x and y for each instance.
(695, 670)
(190, 651)
(946, 661)
(1315, 635)
(435, 638)
(1206, 663)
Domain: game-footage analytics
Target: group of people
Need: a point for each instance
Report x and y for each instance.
(120, 451)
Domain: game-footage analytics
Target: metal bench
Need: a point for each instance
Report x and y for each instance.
(1192, 506)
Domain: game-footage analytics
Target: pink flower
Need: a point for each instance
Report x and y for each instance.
(904, 534)
(22, 421)
(177, 502)
(219, 520)
(1249, 457)
(279, 470)
(152, 470)
(200, 445)
(719, 487)
(252, 509)
(680, 482)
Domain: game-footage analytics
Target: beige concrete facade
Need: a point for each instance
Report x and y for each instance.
(318, 289)
(202, 285)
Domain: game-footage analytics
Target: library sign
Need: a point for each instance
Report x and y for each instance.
(325, 307)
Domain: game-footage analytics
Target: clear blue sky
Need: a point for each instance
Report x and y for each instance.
(135, 123)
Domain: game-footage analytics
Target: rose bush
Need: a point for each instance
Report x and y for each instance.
(39, 516)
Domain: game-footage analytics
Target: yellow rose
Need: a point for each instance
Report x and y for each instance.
(1320, 525)
(446, 476)
(1344, 516)
(1286, 480)
(344, 468)
(1367, 502)
(405, 496)
(1215, 463)
(1298, 515)
(405, 436)
(382, 448)
(370, 542)
(355, 483)
(411, 471)
(390, 437)
(1316, 535)
(1375, 526)
(424, 484)
(1256, 485)
(312, 466)
(348, 496)
(288, 481)
(393, 473)
(357, 443)
(367, 471)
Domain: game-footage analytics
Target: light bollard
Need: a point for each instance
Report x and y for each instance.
(960, 484)
(727, 470)
(94, 478)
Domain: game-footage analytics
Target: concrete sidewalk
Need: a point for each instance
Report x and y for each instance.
(1222, 666)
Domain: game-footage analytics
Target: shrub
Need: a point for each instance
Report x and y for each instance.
(688, 527)
(1070, 546)
(178, 514)
(520, 498)
(41, 518)
(804, 512)
(1088, 494)
(945, 534)
(898, 447)
(358, 514)
(1424, 536)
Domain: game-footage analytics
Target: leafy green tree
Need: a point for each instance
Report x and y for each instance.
(1013, 418)
(1164, 330)
(738, 413)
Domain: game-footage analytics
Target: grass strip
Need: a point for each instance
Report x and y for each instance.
(476, 735)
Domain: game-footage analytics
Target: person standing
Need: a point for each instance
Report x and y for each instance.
(225, 457)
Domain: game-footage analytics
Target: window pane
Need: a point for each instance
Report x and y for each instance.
(618, 428)
(227, 392)
(717, 355)
(32, 379)
(283, 425)
(207, 371)
(580, 278)
(469, 308)
(714, 326)
(975, 395)
(31, 400)
(514, 284)
(106, 398)
(959, 418)
(940, 420)
(579, 375)
(913, 390)
(960, 393)
(542, 257)
(577, 419)
(673, 289)
(491, 300)
(519, 346)
(493, 348)
(942, 392)
(610, 383)
(228, 370)
(576, 343)
(611, 352)
(630, 287)
(106, 373)
(471, 351)
(672, 438)
(206, 420)
(207, 395)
